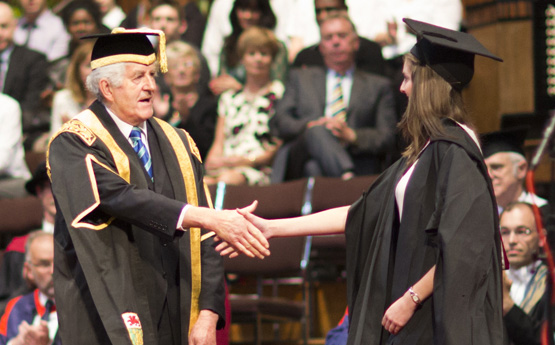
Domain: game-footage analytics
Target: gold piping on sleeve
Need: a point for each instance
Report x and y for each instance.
(76, 223)
(209, 200)
(187, 172)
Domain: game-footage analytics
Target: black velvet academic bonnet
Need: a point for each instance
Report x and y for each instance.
(508, 140)
(123, 45)
(449, 53)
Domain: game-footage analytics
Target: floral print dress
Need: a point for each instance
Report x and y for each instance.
(247, 130)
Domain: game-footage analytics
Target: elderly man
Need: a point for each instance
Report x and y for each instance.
(524, 307)
(134, 260)
(336, 118)
(368, 56)
(507, 166)
(32, 318)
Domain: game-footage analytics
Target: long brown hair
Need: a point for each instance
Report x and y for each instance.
(432, 99)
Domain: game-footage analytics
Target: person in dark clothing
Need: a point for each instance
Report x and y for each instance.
(134, 258)
(368, 57)
(424, 254)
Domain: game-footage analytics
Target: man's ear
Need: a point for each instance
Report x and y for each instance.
(106, 89)
(521, 169)
(27, 275)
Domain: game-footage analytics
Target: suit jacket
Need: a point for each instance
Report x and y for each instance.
(524, 322)
(368, 57)
(26, 79)
(370, 112)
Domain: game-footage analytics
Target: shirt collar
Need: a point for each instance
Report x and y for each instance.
(349, 73)
(124, 127)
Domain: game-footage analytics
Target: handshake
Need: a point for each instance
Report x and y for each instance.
(239, 231)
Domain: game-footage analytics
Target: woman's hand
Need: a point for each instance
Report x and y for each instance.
(398, 314)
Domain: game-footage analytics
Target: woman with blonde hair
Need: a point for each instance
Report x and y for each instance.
(243, 147)
(75, 97)
(424, 256)
(188, 109)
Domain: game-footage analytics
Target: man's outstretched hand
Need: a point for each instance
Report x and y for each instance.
(231, 227)
(260, 224)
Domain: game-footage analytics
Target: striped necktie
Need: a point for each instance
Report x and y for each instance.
(141, 150)
(337, 103)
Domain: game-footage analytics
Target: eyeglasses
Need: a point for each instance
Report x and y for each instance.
(520, 231)
(45, 264)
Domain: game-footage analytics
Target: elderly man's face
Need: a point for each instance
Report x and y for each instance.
(7, 25)
(505, 177)
(521, 244)
(338, 43)
(132, 100)
(40, 265)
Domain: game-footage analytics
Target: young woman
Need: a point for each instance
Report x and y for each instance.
(423, 246)
(243, 148)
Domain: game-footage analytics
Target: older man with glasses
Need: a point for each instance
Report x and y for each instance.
(524, 304)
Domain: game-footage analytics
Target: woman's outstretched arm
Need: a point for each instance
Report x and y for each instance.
(327, 222)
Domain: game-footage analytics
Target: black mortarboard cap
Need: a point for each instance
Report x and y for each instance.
(449, 53)
(123, 45)
(39, 177)
(507, 140)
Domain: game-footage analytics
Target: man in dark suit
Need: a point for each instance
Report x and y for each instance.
(23, 72)
(336, 120)
(368, 56)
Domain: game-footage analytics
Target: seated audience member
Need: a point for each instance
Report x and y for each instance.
(81, 18)
(218, 27)
(188, 109)
(32, 318)
(524, 303)
(13, 169)
(338, 335)
(168, 16)
(41, 30)
(507, 166)
(75, 97)
(336, 120)
(231, 73)
(243, 148)
(12, 282)
(23, 72)
(112, 14)
(368, 57)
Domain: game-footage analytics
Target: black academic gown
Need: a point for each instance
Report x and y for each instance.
(118, 257)
(449, 220)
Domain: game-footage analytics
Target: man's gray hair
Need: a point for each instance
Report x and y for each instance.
(344, 16)
(113, 73)
(32, 237)
(516, 158)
